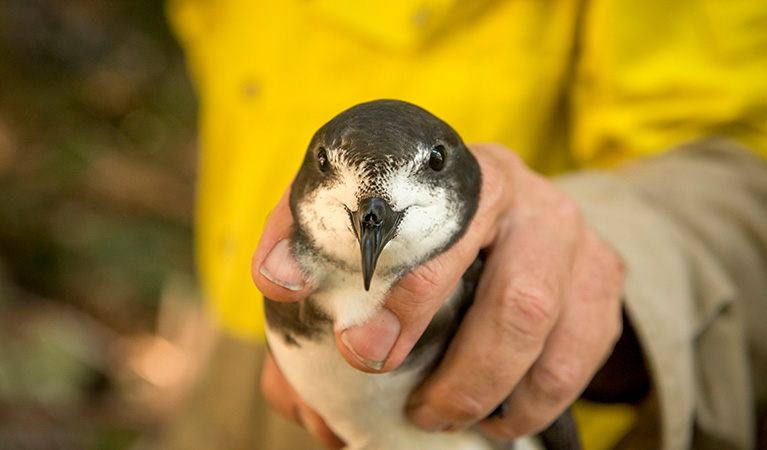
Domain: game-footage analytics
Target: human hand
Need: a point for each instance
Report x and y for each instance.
(546, 311)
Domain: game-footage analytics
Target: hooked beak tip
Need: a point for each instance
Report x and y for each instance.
(375, 224)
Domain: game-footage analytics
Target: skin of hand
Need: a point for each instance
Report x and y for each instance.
(546, 315)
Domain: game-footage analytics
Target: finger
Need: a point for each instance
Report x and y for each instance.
(273, 268)
(281, 396)
(498, 340)
(383, 342)
(518, 301)
(588, 328)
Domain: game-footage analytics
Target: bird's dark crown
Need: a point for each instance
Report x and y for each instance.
(391, 127)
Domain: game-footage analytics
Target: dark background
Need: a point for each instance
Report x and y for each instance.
(98, 303)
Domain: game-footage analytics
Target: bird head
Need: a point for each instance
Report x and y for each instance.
(384, 186)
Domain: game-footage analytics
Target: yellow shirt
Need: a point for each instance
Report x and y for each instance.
(566, 84)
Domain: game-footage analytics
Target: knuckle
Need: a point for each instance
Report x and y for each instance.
(462, 406)
(528, 310)
(567, 209)
(425, 280)
(556, 382)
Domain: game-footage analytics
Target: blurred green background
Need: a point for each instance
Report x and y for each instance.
(98, 303)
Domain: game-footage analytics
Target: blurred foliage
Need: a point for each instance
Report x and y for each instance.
(97, 164)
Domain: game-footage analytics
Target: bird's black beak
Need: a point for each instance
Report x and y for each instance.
(375, 224)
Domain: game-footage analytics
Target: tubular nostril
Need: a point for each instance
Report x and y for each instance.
(373, 211)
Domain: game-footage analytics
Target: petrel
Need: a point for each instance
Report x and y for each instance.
(384, 187)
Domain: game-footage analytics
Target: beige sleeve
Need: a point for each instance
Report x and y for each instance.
(691, 227)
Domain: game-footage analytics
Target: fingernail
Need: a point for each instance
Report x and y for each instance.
(372, 341)
(280, 267)
(425, 417)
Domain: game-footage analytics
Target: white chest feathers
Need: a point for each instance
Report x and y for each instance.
(367, 410)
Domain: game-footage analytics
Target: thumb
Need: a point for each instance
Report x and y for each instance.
(273, 268)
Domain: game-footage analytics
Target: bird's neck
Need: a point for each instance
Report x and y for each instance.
(342, 296)
(339, 288)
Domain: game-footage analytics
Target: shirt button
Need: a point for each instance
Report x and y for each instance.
(250, 90)
(421, 17)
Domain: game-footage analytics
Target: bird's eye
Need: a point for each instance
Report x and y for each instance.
(322, 159)
(437, 158)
